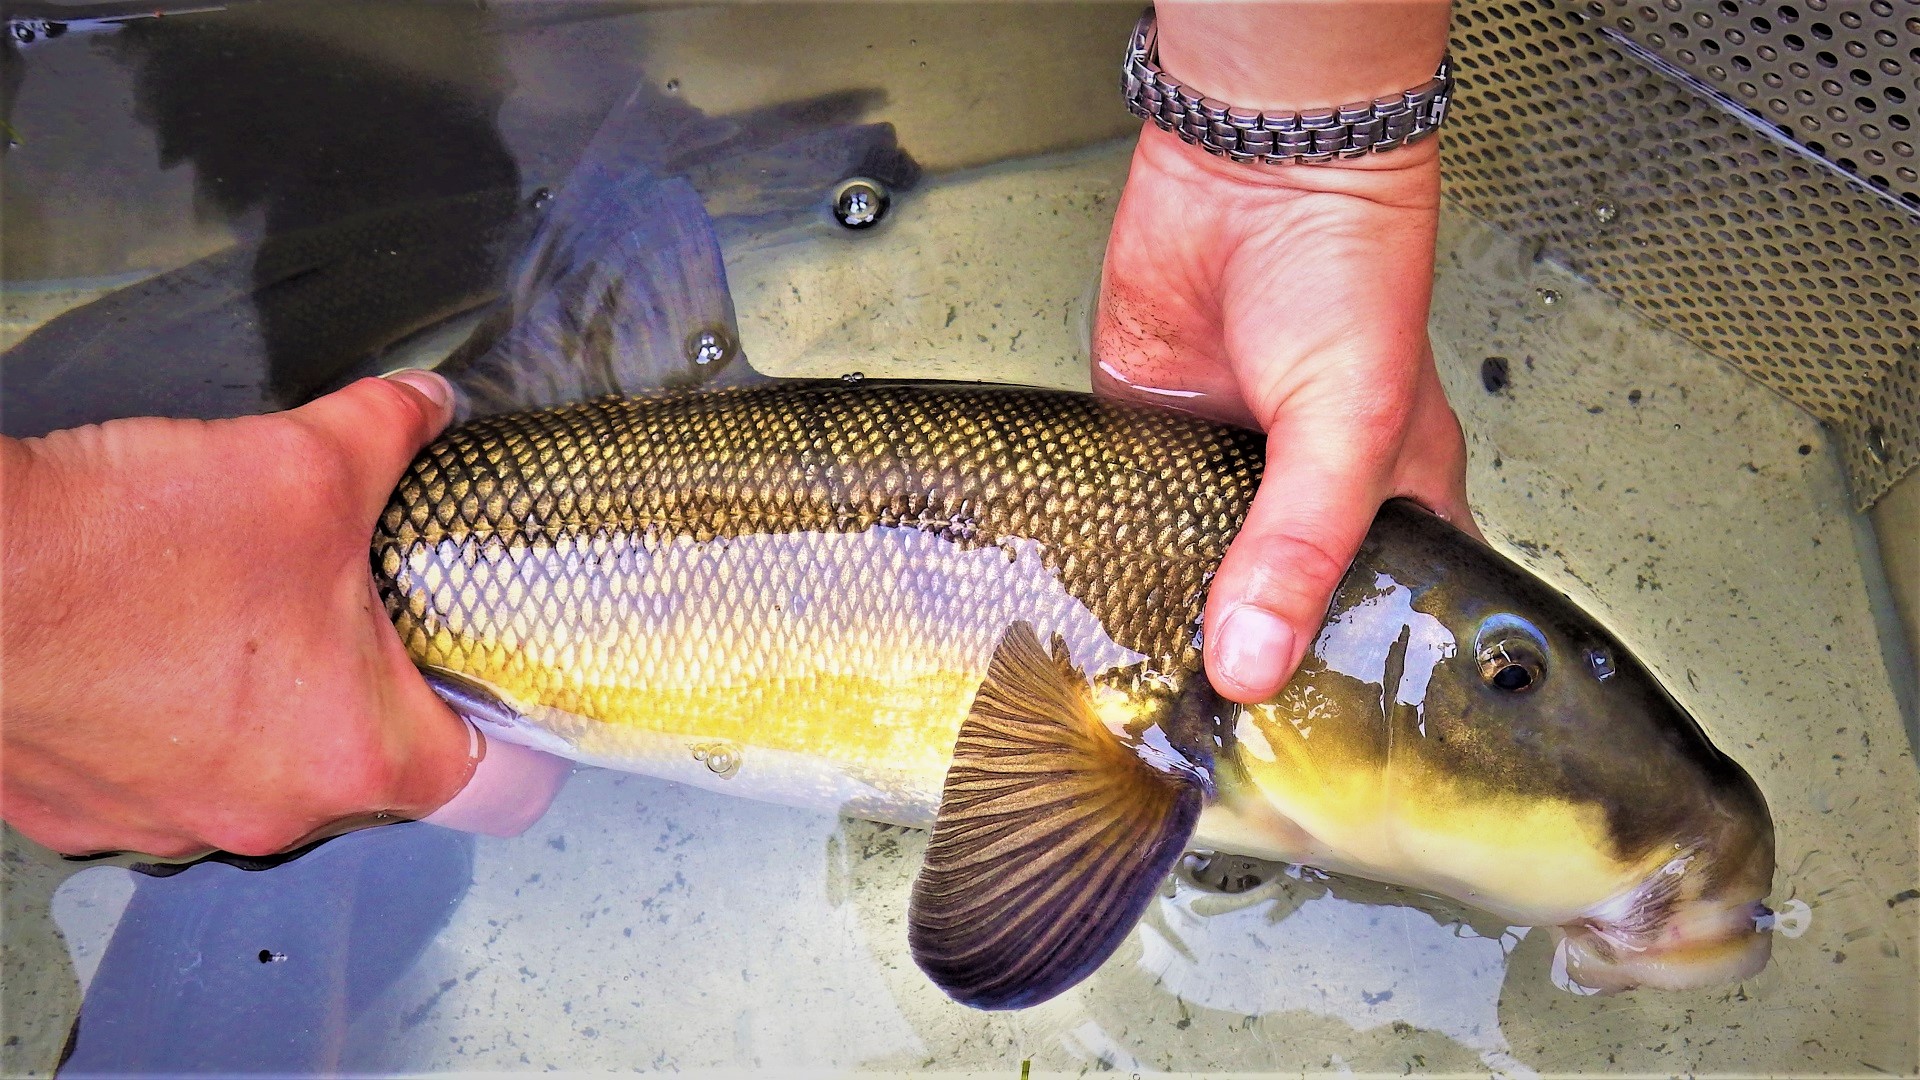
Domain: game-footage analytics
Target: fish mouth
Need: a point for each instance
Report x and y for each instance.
(1711, 945)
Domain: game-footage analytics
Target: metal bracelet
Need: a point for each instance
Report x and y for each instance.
(1276, 138)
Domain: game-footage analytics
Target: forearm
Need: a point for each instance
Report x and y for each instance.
(1301, 54)
(31, 567)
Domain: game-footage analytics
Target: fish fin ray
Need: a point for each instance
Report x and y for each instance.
(998, 920)
(490, 710)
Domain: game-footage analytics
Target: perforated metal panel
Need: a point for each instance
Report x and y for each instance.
(1743, 173)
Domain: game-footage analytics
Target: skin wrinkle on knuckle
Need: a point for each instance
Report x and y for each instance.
(413, 413)
(1291, 574)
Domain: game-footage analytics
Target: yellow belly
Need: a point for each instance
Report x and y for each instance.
(829, 670)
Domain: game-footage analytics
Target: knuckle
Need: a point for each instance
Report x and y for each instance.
(358, 783)
(175, 848)
(401, 407)
(1305, 565)
(256, 838)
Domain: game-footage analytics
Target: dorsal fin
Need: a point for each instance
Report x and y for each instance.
(1052, 835)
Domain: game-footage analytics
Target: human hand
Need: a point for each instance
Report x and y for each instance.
(1293, 299)
(195, 654)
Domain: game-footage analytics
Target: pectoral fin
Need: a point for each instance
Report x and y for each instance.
(1052, 836)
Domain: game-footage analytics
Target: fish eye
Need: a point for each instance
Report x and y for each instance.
(1512, 654)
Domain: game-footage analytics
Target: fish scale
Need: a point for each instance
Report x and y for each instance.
(813, 569)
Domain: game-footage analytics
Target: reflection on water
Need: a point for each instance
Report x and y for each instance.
(1365, 964)
(644, 925)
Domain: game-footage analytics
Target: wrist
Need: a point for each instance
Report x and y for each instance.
(1296, 56)
(1407, 177)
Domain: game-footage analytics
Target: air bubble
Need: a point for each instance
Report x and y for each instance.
(1793, 919)
(721, 759)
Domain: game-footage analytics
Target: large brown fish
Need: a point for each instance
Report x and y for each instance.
(977, 610)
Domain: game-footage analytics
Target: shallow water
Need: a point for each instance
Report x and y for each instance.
(646, 925)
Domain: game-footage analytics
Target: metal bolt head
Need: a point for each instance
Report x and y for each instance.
(860, 203)
(709, 348)
(1877, 444)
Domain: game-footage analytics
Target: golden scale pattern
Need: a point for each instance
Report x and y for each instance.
(1129, 508)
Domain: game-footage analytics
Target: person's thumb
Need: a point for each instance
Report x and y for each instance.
(1316, 501)
(379, 424)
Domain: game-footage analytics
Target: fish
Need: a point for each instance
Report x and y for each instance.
(976, 610)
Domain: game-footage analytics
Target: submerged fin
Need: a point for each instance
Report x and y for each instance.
(622, 292)
(1051, 839)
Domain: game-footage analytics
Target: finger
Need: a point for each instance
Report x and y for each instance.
(510, 789)
(380, 424)
(1322, 488)
(1433, 459)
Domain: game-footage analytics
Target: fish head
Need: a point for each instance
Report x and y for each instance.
(1461, 726)
(1689, 819)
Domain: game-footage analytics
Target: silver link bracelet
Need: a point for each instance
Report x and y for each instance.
(1252, 136)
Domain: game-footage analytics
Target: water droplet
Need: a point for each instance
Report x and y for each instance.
(1548, 297)
(22, 33)
(673, 86)
(854, 378)
(268, 956)
(1792, 920)
(1601, 661)
(540, 198)
(1604, 212)
(709, 348)
(860, 203)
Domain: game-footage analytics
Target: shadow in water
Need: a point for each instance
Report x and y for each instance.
(222, 970)
(364, 136)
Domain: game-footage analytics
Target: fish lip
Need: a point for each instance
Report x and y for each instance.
(1596, 957)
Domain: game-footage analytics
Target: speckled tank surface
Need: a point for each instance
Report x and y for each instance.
(648, 926)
